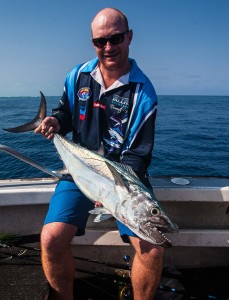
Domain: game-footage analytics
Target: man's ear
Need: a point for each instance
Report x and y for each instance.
(130, 36)
(92, 43)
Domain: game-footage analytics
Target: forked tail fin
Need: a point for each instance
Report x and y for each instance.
(35, 122)
(28, 127)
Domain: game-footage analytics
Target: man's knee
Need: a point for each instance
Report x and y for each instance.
(154, 256)
(55, 237)
(146, 252)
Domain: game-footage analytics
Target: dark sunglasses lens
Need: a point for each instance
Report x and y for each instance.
(117, 39)
(100, 42)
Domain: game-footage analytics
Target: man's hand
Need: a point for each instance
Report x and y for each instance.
(47, 127)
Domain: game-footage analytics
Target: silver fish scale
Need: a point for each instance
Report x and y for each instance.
(93, 160)
(96, 185)
(99, 165)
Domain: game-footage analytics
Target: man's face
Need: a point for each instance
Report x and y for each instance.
(111, 57)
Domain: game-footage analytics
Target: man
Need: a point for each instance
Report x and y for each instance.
(110, 106)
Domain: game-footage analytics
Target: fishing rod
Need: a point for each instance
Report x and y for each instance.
(21, 255)
(18, 241)
(99, 289)
(124, 282)
(126, 258)
(123, 278)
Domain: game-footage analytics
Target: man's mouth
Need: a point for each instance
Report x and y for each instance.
(110, 55)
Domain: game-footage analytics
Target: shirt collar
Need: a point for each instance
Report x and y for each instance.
(135, 75)
(96, 74)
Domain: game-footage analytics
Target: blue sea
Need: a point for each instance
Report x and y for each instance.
(192, 137)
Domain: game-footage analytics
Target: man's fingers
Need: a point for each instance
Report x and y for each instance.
(47, 131)
(38, 129)
(47, 127)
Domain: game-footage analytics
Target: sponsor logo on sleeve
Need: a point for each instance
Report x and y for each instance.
(84, 93)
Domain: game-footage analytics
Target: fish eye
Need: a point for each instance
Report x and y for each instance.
(154, 211)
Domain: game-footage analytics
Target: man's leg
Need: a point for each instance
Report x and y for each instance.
(146, 269)
(57, 259)
(67, 214)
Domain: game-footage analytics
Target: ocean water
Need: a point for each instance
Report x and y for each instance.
(191, 139)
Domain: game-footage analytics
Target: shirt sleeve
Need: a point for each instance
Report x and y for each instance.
(63, 114)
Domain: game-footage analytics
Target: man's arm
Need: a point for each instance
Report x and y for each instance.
(63, 115)
(139, 155)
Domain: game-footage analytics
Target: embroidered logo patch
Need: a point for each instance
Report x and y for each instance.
(99, 105)
(82, 112)
(119, 104)
(84, 93)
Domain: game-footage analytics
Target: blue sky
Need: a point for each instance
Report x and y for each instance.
(181, 45)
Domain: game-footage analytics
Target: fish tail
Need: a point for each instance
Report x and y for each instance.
(34, 123)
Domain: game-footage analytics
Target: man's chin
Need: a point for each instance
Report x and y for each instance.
(111, 63)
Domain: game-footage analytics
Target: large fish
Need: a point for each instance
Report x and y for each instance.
(116, 186)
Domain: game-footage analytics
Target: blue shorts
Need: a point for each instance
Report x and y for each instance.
(69, 205)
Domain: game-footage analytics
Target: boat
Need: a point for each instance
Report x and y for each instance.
(198, 205)
(199, 256)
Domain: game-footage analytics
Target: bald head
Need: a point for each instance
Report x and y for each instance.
(109, 18)
(111, 39)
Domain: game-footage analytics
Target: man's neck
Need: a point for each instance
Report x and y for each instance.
(110, 76)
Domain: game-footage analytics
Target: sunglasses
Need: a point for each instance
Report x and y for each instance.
(114, 39)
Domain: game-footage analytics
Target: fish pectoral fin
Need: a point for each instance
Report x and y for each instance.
(102, 217)
(102, 214)
(28, 160)
(99, 211)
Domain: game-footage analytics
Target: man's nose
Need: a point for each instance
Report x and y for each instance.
(108, 46)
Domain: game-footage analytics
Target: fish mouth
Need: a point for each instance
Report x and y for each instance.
(155, 235)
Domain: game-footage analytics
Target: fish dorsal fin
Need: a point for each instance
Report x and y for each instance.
(116, 175)
(28, 160)
(128, 169)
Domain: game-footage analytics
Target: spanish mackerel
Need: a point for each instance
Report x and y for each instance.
(112, 184)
